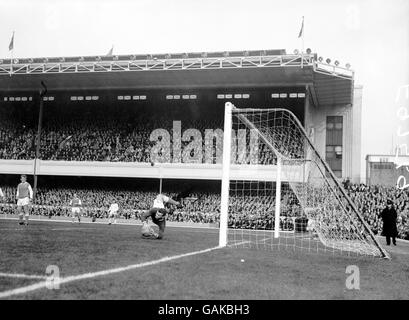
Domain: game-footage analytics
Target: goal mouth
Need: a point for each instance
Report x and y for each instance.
(285, 194)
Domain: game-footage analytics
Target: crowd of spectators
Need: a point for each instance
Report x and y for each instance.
(250, 212)
(117, 135)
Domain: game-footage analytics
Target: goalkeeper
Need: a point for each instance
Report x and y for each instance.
(158, 214)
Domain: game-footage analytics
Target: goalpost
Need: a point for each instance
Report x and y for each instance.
(278, 192)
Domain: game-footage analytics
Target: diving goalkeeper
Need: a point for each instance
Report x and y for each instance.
(158, 214)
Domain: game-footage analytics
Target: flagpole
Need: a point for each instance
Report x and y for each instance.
(12, 53)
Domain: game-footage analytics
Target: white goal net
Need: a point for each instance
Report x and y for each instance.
(278, 192)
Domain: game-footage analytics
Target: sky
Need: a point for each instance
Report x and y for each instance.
(371, 35)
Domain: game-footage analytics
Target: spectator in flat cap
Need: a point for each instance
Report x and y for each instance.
(389, 217)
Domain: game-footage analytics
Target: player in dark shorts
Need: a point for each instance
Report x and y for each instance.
(158, 215)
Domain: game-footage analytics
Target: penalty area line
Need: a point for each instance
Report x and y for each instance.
(91, 275)
(21, 276)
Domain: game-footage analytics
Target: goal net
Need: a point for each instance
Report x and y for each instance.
(278, 192)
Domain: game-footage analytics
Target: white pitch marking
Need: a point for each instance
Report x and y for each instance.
(43, 284)
(238, 243)
(21, 276)
(69, 229)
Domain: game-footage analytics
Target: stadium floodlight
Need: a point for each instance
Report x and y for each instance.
(296, 51)
(320, 59)
(348, 66)
(309, 51)
(287, 183)
(336, 63)
(328, 61)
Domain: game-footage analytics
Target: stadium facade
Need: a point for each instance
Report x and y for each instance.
(323, 97)
(387, 170)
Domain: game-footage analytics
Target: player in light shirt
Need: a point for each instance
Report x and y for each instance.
(24, 195)
(76, 204)
(112, 213)
(158, 214)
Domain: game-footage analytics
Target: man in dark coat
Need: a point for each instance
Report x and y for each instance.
(389, 216)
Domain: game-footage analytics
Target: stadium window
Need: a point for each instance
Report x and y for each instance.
(80, 98)
(293, 95)
(185, 97)
(330, 126)
(220, 96)
(5, 98)
(275, 95)
(18, 98)
(30, 98)
(45, 98)
(283, 95)
(142, 97)
(338, 126)
(127, 97)
(135, 97)
(301, 95)
(229, 96)
(169, 97)
(95, 98)
(23, 98)
(11, 99)
(193, 96)
(176, 97)
(73, 98)
(88, 98)
(246, 96)
(120, 97)
(50, 98)
(237, 96)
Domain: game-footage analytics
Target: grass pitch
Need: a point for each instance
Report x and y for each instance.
(93, 258)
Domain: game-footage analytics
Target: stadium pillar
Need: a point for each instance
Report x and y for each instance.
(38, 140)
(224, 207)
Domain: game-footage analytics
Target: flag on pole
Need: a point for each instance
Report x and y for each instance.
(111, 51)
(11, 45)
(302, 28)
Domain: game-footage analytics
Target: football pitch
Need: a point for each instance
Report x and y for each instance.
(100, 261)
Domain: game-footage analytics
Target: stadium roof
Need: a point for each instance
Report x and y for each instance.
(329, 85)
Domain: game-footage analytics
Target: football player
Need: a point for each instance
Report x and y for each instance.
(76, 204)
(112, 213)
(158, 215)
(24, 196)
